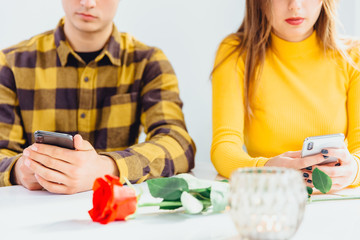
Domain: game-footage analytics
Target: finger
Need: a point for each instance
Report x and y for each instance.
(51, 186)
(339, 181)
(81, 144)
(336, 187)
(33, 186)
(339, 153)
(46, 173)
(304, 162)
(307, 174)
(331, 164)
(23, 167)
(26, 177)
(47, 161)
(53, 151)
(293, 154)
(28, 181)
(310, 169)
(309, 183)
(333, 171)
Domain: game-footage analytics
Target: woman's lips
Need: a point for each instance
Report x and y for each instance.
(295, 21)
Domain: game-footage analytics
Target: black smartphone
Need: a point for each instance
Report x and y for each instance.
(54, 138)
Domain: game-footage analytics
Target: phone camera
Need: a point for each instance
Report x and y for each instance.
(310, 145)
(40, 139)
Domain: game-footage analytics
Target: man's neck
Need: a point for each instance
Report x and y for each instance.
(87, 41)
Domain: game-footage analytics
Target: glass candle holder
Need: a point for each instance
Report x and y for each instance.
(267, 202)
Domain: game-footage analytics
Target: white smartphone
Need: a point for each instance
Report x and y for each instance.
(314, 145)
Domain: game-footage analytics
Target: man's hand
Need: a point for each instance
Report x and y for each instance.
(61, 170)
(23, 175)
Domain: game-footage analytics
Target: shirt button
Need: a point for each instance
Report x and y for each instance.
(83, 115)
(86, 79)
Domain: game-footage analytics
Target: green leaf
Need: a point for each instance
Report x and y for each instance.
(193, 182)
(219, 196)
(321, 181)
(309, 191)
(191, 204)
(201, 193)
(170, 189)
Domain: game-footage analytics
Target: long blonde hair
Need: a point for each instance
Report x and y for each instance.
(254, 38)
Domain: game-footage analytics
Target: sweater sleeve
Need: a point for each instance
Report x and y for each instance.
(353, 108)
(227, 152)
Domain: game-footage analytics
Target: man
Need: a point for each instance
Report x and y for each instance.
(86, 78)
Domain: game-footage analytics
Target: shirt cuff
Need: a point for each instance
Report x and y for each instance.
(120, 163)
(7, 173)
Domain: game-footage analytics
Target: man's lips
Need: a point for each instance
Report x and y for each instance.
(86, 16)
(295, 21)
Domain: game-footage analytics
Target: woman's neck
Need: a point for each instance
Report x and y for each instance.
(298, 38)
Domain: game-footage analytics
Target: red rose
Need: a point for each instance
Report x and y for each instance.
(111, 200)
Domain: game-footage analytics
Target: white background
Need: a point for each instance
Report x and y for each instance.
(188, 31)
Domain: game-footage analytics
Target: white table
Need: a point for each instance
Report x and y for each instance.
(41, 215)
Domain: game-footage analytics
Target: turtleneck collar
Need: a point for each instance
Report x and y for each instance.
(308, 47)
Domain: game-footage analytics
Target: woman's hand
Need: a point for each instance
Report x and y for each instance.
(294, 160)
(342, 173)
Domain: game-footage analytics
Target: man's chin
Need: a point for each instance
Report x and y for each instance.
(89, 28)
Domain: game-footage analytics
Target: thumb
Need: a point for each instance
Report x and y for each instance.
(293, 154)
(81, 145)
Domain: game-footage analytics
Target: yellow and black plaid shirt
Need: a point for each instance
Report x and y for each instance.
(45, 85)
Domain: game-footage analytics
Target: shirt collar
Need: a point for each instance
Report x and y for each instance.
(63, 48)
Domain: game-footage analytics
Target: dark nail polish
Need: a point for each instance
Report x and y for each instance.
(324, 151)
(309, 181)
(306, 175)
(309, 168)
(338, 164)
(326, 157)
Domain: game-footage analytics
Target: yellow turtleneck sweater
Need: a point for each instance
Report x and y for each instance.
(302, 92)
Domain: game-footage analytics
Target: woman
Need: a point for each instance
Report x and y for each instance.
(282, 77)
